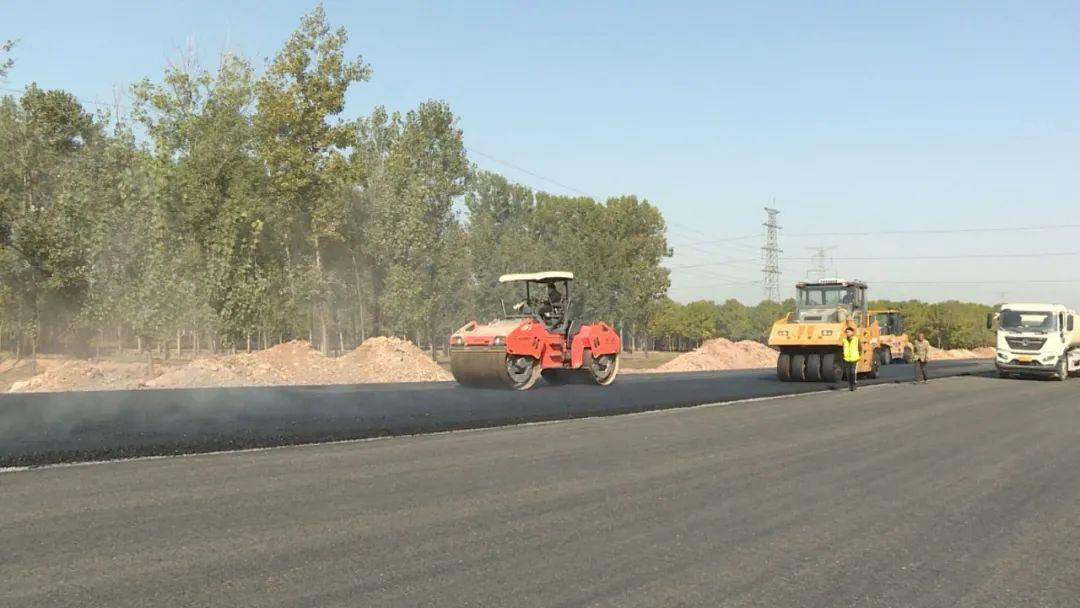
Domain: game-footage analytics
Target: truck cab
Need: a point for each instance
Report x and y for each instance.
(1035, 339)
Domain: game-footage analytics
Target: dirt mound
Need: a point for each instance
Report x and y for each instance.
(84, 376)
(984, 352)
(389, 360)
(295, 362)
(298, 363)
(721, 353)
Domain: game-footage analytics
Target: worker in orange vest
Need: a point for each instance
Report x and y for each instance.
(851, 356)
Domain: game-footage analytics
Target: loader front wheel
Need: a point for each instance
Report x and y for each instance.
(875, 368)
(813, 367)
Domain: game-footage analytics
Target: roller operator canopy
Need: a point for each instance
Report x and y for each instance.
(538, 277)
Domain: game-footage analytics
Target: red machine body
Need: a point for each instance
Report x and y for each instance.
(515, 352)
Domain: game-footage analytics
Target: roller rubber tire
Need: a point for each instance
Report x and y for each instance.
(831, 370)
(798, 367)
(813, 367)
(783, 367)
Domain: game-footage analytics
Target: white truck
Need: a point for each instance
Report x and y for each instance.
(1036, 340)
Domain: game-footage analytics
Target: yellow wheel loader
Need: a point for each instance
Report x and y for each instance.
(893, 343)
(810, 338)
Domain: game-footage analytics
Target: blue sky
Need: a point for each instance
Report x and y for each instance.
(853, 117)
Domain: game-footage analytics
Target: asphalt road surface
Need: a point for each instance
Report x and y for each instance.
(963, 492)
(71, 427)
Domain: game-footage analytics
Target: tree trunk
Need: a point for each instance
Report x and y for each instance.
(341, 342)
(179, 349)
(324, 332)
(359, 297)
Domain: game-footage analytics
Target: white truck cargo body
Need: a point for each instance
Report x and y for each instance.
(1036, 339)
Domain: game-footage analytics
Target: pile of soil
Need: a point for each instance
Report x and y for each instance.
(291, 363)
(721, 353)
(298, 363)
(984, 352)
(389, 360)
(83, 376)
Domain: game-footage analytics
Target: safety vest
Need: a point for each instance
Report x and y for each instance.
(851, 349)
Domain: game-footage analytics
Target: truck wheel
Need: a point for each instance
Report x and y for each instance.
(1062, 369)
(886, 356)
(813, 367)
(831, 370)
(798, 367)
(783, 367)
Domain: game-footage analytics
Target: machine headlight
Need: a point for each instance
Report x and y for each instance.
(1004, 356)
(1049, 358)
(456, 341)
(499, 340)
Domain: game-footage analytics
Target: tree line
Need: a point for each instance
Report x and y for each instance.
(236, 208)
(675, 326)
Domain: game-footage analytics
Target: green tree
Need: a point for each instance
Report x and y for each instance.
(6, 62)
(303, 141)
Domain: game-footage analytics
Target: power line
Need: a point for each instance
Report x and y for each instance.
(902, 232)
(937, 231)
(527, 172)
(998, 282)
(717, 263)
(972, 256)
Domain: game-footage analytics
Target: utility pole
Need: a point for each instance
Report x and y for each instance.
(771, 252)
(822, 263)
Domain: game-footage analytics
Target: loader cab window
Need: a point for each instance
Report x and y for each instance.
(816, 296)
(890, 323)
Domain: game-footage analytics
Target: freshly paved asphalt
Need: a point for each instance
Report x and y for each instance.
(963, 492)
(70, 427)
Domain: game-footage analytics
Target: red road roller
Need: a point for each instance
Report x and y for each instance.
(538, 340)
